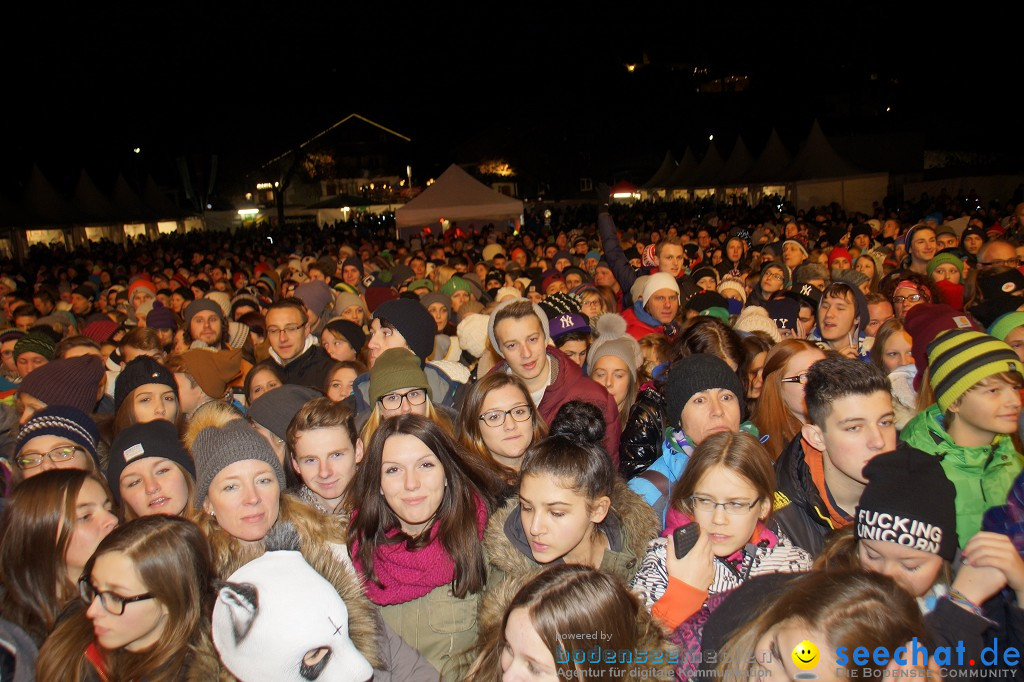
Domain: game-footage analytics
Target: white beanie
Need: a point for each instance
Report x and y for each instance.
(472, 334)
(511, 292)
(658, 281)
(733, 285)
(756, 319)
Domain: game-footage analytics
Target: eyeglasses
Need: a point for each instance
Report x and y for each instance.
(733, 508)
(288, 328)
(913, 298)
(393, 401)
(1008, 262)
(113, 603)
(64, 453)
(773, 275)
(798, 379)
(496, 418)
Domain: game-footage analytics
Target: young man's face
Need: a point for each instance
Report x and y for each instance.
(522, 343)
(671, 259)
(836, 317)
(287, 329)
(858, 428)
(879, 313)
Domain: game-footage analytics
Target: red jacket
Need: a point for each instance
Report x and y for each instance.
(637, 328)
(571, 384)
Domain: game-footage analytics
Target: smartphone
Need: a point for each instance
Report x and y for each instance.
(684, 538)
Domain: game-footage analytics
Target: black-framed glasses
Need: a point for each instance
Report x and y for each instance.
(1008, 262)
(65, 453)
(393, 401)
(733, 507)
(496, 418)
(288, 329)
(913, 298)
(798, 379)
(111, 601)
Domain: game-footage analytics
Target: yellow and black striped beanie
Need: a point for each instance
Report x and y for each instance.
(958, 359)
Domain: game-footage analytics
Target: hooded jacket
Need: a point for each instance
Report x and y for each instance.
(982, 476)
(630, 525)
(640, 445)
(569, 383)
(800, 510)
(640, 323)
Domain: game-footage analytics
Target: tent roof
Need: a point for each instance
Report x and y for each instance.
(44, 204)
(456, 195)
(664, 172)
(772, 163)
(164, 208)
(91, 203)
(740, 161)
(129, 204)
(709, 169)
(818, 159)
(684, 171)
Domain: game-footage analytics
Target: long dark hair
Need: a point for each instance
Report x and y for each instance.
(468, 480)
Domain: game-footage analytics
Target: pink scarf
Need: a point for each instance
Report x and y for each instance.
(408, 575)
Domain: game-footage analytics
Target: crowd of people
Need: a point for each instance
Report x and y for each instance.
(669, 441)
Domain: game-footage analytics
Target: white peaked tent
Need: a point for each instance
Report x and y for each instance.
(457, 196)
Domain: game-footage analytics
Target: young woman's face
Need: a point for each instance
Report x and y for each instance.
(525, 656)
(793, 392)
(990, 408)
(142, 623)
(509, 440)
(411, 394)
(728, 532)
(354, 314)
(866, 266)
(154, 401)
(439, 311)
(772, 280)
(558, 521)
(245, 498)
(612, 373)
(924, 246)
(755, 376)
(263, 381)
(897, 351)
(947, 272)
(1015, 339)
(337, 346)
(41, 445)
(915, 571)
(341, 384)
(154, 485)
(412, 481)
(901, 302)
(709, 412)
(325, 460)
(93, 522)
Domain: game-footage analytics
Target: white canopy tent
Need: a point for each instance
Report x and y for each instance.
(457, 196)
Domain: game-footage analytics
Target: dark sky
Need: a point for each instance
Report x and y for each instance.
(246, 82)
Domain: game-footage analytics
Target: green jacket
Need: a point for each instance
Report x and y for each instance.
(982, 476)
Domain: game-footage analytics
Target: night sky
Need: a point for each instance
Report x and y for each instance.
(245, 83)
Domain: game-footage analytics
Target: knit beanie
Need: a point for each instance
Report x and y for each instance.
(1005, 324)
(158, 438)
(734, 286)
(315, 294)
(839, 252)
(355, 262)
(74, 382)
(612, 339)
(35, 342)
(472, 334)
(141, 283)
(537, 310)
(160, 317)
(378, 296)
(350, 331)
(560, 304)
(945, 257)
(797, 245)
(657, 282)
(973, 230)
(784, 312)
(808, 271)
(62, 421)
(223, 301)
(756, 319)
(924, 322)
(697, 373)
(238, 334)
(142, 370)
(421, 284)
(908, 501)
(275, 409)
(705, 300)
(199, 305)
(413, 322)
(851, 277)
(396, 368)
(549, 278)
(213, 369)
(427, 300)
(781, 267)
(218, 447)
(507, 292)
(347, 300)
(100, 331)
(456, 283)
(702, 272)
(959, 359)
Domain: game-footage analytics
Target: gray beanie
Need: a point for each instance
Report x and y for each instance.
(537, 310)
(218, 447)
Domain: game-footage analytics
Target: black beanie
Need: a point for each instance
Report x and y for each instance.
(158, 438)
(350, 331)
(142, 370)
(412, 321)
(908, 501)
(699, 373)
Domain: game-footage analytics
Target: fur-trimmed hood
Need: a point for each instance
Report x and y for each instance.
(509, 568)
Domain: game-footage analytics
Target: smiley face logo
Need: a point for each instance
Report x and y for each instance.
(806, 655)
